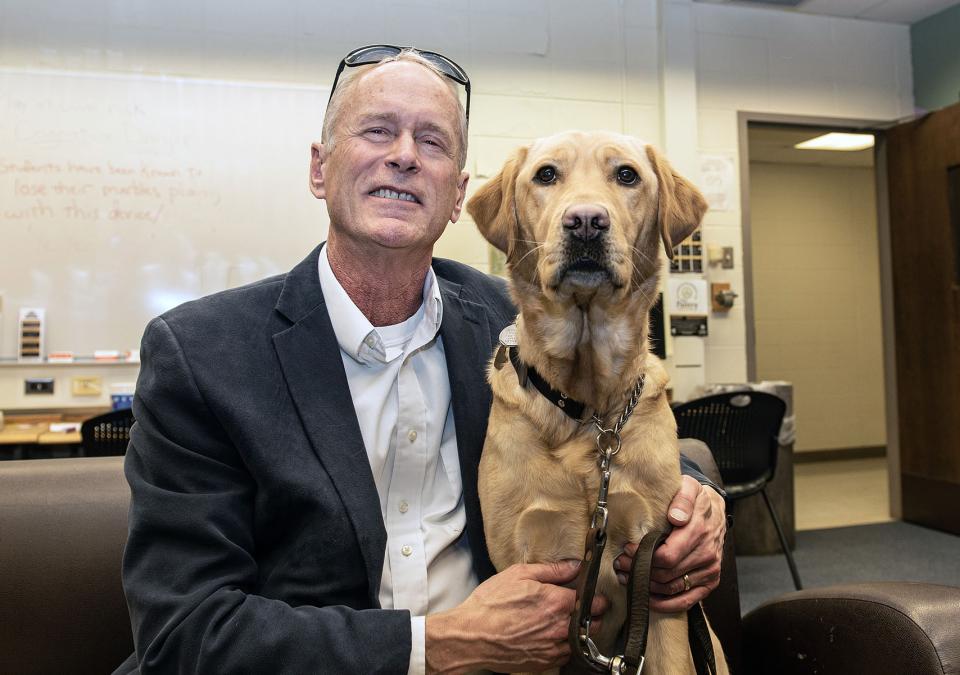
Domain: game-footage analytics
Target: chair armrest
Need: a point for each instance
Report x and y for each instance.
(899, 627)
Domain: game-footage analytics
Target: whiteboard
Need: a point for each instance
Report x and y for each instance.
(123, 196)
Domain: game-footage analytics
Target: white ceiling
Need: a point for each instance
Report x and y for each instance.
(894, 11)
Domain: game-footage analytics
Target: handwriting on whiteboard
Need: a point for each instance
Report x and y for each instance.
(84, 192)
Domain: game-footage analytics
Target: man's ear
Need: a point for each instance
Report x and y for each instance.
(461, 195)
(317, 157)
(681, 206)
(492, 207)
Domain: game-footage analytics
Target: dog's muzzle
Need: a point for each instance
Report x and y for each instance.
(588, 261)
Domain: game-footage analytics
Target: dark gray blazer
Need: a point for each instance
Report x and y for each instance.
(256, 540)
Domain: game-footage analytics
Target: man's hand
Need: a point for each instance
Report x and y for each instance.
(514, 621)
(686, 568)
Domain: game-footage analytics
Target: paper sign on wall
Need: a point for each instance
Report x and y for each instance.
(717, 181)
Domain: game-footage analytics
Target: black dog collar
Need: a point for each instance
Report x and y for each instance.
(508, 349)
(570, 407)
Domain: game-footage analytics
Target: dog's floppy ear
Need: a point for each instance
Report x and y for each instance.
(492, 207)
(681, 206)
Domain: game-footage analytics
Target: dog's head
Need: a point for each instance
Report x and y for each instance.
(582, 215)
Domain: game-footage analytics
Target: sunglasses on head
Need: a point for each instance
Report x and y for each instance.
(371, 54)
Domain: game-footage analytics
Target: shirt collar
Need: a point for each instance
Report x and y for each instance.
(356, 336)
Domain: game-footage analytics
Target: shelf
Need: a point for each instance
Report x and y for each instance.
(13, 363)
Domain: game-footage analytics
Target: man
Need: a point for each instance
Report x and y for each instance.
(303, 468)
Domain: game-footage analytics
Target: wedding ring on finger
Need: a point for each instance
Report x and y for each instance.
(686, 583)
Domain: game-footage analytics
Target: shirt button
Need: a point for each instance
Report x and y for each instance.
(412, 435)
(406, 550)
(404, 507)
(370, 341)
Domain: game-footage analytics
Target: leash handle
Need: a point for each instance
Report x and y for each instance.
(638, 594)
(584, 653)
(638, 614)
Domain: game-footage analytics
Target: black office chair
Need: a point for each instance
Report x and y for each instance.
(107, 434)
(741, 429)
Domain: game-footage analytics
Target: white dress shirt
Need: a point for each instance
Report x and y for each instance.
(401, 393)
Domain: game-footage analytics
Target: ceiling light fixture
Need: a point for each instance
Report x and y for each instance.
(837, 141)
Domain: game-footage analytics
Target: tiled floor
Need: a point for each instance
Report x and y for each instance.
(841, 492)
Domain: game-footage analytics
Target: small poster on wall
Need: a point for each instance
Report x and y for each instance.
(717, 181)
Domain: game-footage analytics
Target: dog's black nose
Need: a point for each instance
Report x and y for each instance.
(585, 221)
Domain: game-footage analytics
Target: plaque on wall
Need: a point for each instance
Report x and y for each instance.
(688, 303)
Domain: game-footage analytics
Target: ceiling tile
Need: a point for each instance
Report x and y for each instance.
(891, 11)
(905, 11)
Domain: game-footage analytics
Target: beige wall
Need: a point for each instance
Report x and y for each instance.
(817, 298)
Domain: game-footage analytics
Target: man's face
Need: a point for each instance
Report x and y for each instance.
(392, 178)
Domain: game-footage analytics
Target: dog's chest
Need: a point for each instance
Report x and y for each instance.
(539, 486)
(642, 480)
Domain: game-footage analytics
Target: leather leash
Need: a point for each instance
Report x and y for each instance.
(698, 633)
(701, 646)
(584, 654)
(637, 624)
(638, 592)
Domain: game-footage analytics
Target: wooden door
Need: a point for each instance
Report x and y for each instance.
(923, 160)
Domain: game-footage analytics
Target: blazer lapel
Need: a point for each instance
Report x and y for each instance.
(467, 346)
(310, 358)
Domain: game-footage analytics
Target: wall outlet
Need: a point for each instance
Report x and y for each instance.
(39, 385)
(86, 386)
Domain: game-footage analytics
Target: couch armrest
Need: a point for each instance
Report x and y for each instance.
(898, 627)
(63, 524)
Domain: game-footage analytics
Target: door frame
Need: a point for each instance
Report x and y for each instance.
(744, 118)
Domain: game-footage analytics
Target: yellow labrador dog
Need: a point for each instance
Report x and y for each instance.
(581, 217)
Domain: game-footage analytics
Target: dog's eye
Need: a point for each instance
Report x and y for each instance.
(546, 174)
(627, 176)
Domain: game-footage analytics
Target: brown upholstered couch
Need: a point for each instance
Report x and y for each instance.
(62, 610)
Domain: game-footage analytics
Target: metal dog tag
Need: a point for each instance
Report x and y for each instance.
(508, 336)
(508, 341)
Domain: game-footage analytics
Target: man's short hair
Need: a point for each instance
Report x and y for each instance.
(352, 75)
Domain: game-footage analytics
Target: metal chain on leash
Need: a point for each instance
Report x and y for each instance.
(608, 445)
(624, 416)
